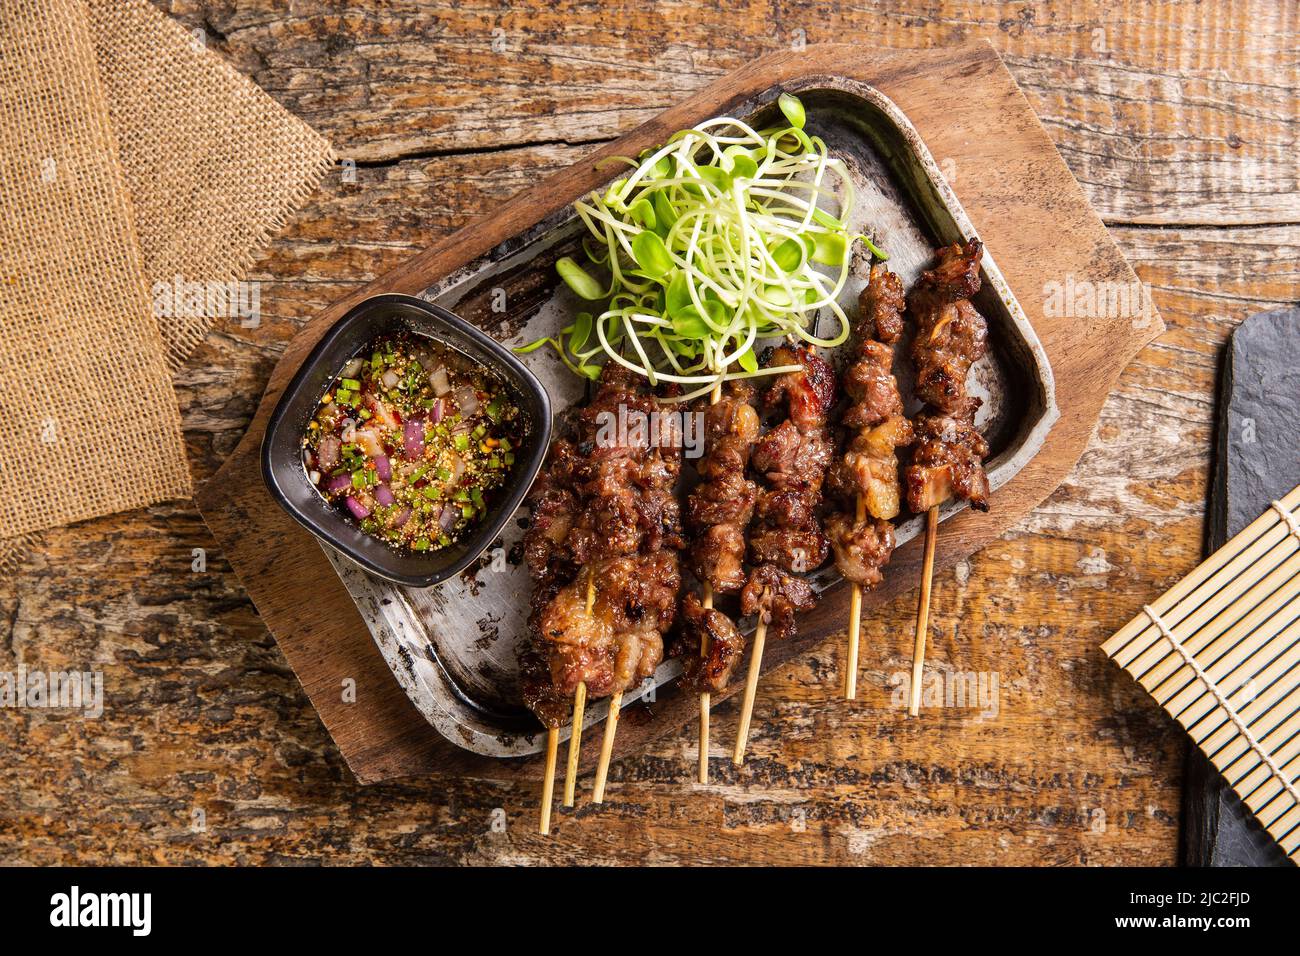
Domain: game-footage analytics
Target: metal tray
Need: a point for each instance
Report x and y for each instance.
(453, 646)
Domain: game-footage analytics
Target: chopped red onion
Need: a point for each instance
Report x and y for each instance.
(435, 413)
(413, 438)
(450, 515)
(399, 519)
(384, 496)
(338, 483)
(327, 453)
(438, 379)
(466, 400)
(359, 511)
(383, 468)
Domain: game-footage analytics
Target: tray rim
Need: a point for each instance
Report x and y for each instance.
(424, 692)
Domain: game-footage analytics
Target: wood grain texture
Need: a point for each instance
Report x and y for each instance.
(202, 711)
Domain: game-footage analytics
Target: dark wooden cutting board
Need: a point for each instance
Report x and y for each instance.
(1026, 207)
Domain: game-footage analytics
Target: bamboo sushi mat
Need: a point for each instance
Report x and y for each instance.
(1220, 652)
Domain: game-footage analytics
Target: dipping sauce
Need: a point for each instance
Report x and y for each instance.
(411, 440)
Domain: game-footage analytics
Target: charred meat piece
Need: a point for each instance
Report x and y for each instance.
(880, 307)
(808, 393)
(619, 641)
(775, 596)
(720, 507)
(579, 644)
(545, 541)
(861, 548)
(950, 334)
(948, 459)
(730, 428)
(868, 466)
(948, 341)
(726, 499)
(956, 276)
(800, 550)
(639, 590)
(872, 388)
(703, 627)
(539, 693)
(718, 556)
(788, 457)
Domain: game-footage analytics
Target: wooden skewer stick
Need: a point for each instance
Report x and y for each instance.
(575, 743)
(706, 698)
(607, 747)
(751, 688)
(548, 781)
(611, 728)
(923, 612)
(855, 624)
(579, 706)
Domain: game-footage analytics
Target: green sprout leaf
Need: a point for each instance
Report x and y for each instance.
(579, 279)
(651, 254)
(791, 109)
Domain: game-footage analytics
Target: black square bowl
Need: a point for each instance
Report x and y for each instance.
(286, 477)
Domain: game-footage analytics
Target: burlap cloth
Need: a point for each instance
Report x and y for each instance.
(132, 159)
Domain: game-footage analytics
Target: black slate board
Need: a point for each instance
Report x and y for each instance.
(1257, 461)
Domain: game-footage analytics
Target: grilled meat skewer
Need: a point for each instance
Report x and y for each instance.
(786, 540)
(868, 468)
(948, 458)
(951, 336)
(718, 511)
(605, 516)
(786, 537)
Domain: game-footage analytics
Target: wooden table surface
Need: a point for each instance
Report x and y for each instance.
(1180, 121)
